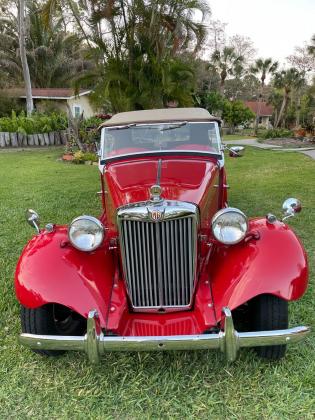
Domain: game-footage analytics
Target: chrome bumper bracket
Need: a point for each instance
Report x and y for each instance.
(229, 341)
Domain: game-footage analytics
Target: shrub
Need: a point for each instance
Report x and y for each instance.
(90, 156)
(275, 133)
(9, 104)
(236, 113)
(37, 123)
(78, 157)
(81, 157)
(89, 132)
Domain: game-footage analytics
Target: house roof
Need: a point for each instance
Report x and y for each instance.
(161, 115)
(265, 110)
(49, 93)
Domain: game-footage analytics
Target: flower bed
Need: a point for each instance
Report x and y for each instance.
(291, 142)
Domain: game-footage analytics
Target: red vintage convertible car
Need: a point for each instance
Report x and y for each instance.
(168, 265)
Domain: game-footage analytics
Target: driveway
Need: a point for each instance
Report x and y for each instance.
(254, 143)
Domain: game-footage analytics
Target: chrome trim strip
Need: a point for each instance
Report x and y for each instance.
(170, 209)
(159, 171)
(229, 341)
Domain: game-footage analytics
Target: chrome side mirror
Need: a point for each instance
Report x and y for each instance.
(32, 219)
(236, 151)
(290, 207)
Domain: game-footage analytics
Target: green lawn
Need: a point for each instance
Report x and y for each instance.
(149, 385)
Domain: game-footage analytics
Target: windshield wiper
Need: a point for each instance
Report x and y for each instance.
(122, 127)
(174, 126)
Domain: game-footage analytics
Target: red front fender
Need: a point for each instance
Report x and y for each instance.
(49, 271)
(274, 264)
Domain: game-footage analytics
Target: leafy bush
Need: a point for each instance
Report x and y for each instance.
(37, 123)
(89, 132)
(89, 156)
(81, 157)
(7, 104)
(275, 133)
(78, 157)
(236, 113)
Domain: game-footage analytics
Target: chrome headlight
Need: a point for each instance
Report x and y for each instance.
(86, 233)
(229, 226)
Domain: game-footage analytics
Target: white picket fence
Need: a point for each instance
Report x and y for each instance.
(54, 138)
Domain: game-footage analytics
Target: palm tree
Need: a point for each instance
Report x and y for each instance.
(137, 47)
(26, 72)
(226, 63)
(287, 80)
(275, 99)
(142, 66)
(54, 57)
(262, 68)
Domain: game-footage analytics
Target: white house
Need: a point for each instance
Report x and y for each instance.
(60, 98)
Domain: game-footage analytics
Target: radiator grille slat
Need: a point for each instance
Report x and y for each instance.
(159, 261)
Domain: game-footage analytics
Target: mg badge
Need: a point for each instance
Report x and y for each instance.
(156, 215)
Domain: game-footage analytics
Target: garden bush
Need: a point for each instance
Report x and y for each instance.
(81, 157)
(275, 133)
(7, 104)
(35, 124)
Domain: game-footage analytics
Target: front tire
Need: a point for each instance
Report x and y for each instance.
(268, 313)
(51, 319)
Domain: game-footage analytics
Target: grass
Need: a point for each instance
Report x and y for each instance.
(149, 385)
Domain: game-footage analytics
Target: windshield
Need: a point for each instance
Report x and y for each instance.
(140, 139)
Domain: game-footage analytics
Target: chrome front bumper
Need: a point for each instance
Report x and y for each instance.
(229, 341)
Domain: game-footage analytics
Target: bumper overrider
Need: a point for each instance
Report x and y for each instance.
(229, 341)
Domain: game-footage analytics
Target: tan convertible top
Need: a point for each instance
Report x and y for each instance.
(161, 115)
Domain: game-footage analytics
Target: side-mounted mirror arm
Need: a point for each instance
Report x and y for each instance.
(235, 151)
(290, 207)
(32, 219)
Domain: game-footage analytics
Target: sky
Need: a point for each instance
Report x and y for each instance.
(275, 26)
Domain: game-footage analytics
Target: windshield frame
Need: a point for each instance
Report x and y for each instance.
(104, 159)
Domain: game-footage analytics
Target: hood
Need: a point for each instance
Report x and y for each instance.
(185, 179)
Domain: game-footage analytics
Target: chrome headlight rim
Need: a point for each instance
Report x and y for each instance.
(90, 219)
(224, 211)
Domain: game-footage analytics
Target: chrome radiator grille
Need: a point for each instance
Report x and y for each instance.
(159, 261)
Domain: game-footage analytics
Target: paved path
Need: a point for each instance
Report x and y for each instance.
(251, 142)
(310, 153)
(254, 143)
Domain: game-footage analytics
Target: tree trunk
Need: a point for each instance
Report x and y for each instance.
(26, 71)
(298, 112)
(283, 107)
(258, 112)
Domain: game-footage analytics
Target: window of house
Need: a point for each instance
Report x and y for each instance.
(77, 111)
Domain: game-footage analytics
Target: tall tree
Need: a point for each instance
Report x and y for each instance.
(54, 56)
(226, 63)
(287, 80)
(142, 50)
(262, 68)
(302, 60)
(216, 36)
(26, 72)
(243, 47)
(311, 47)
